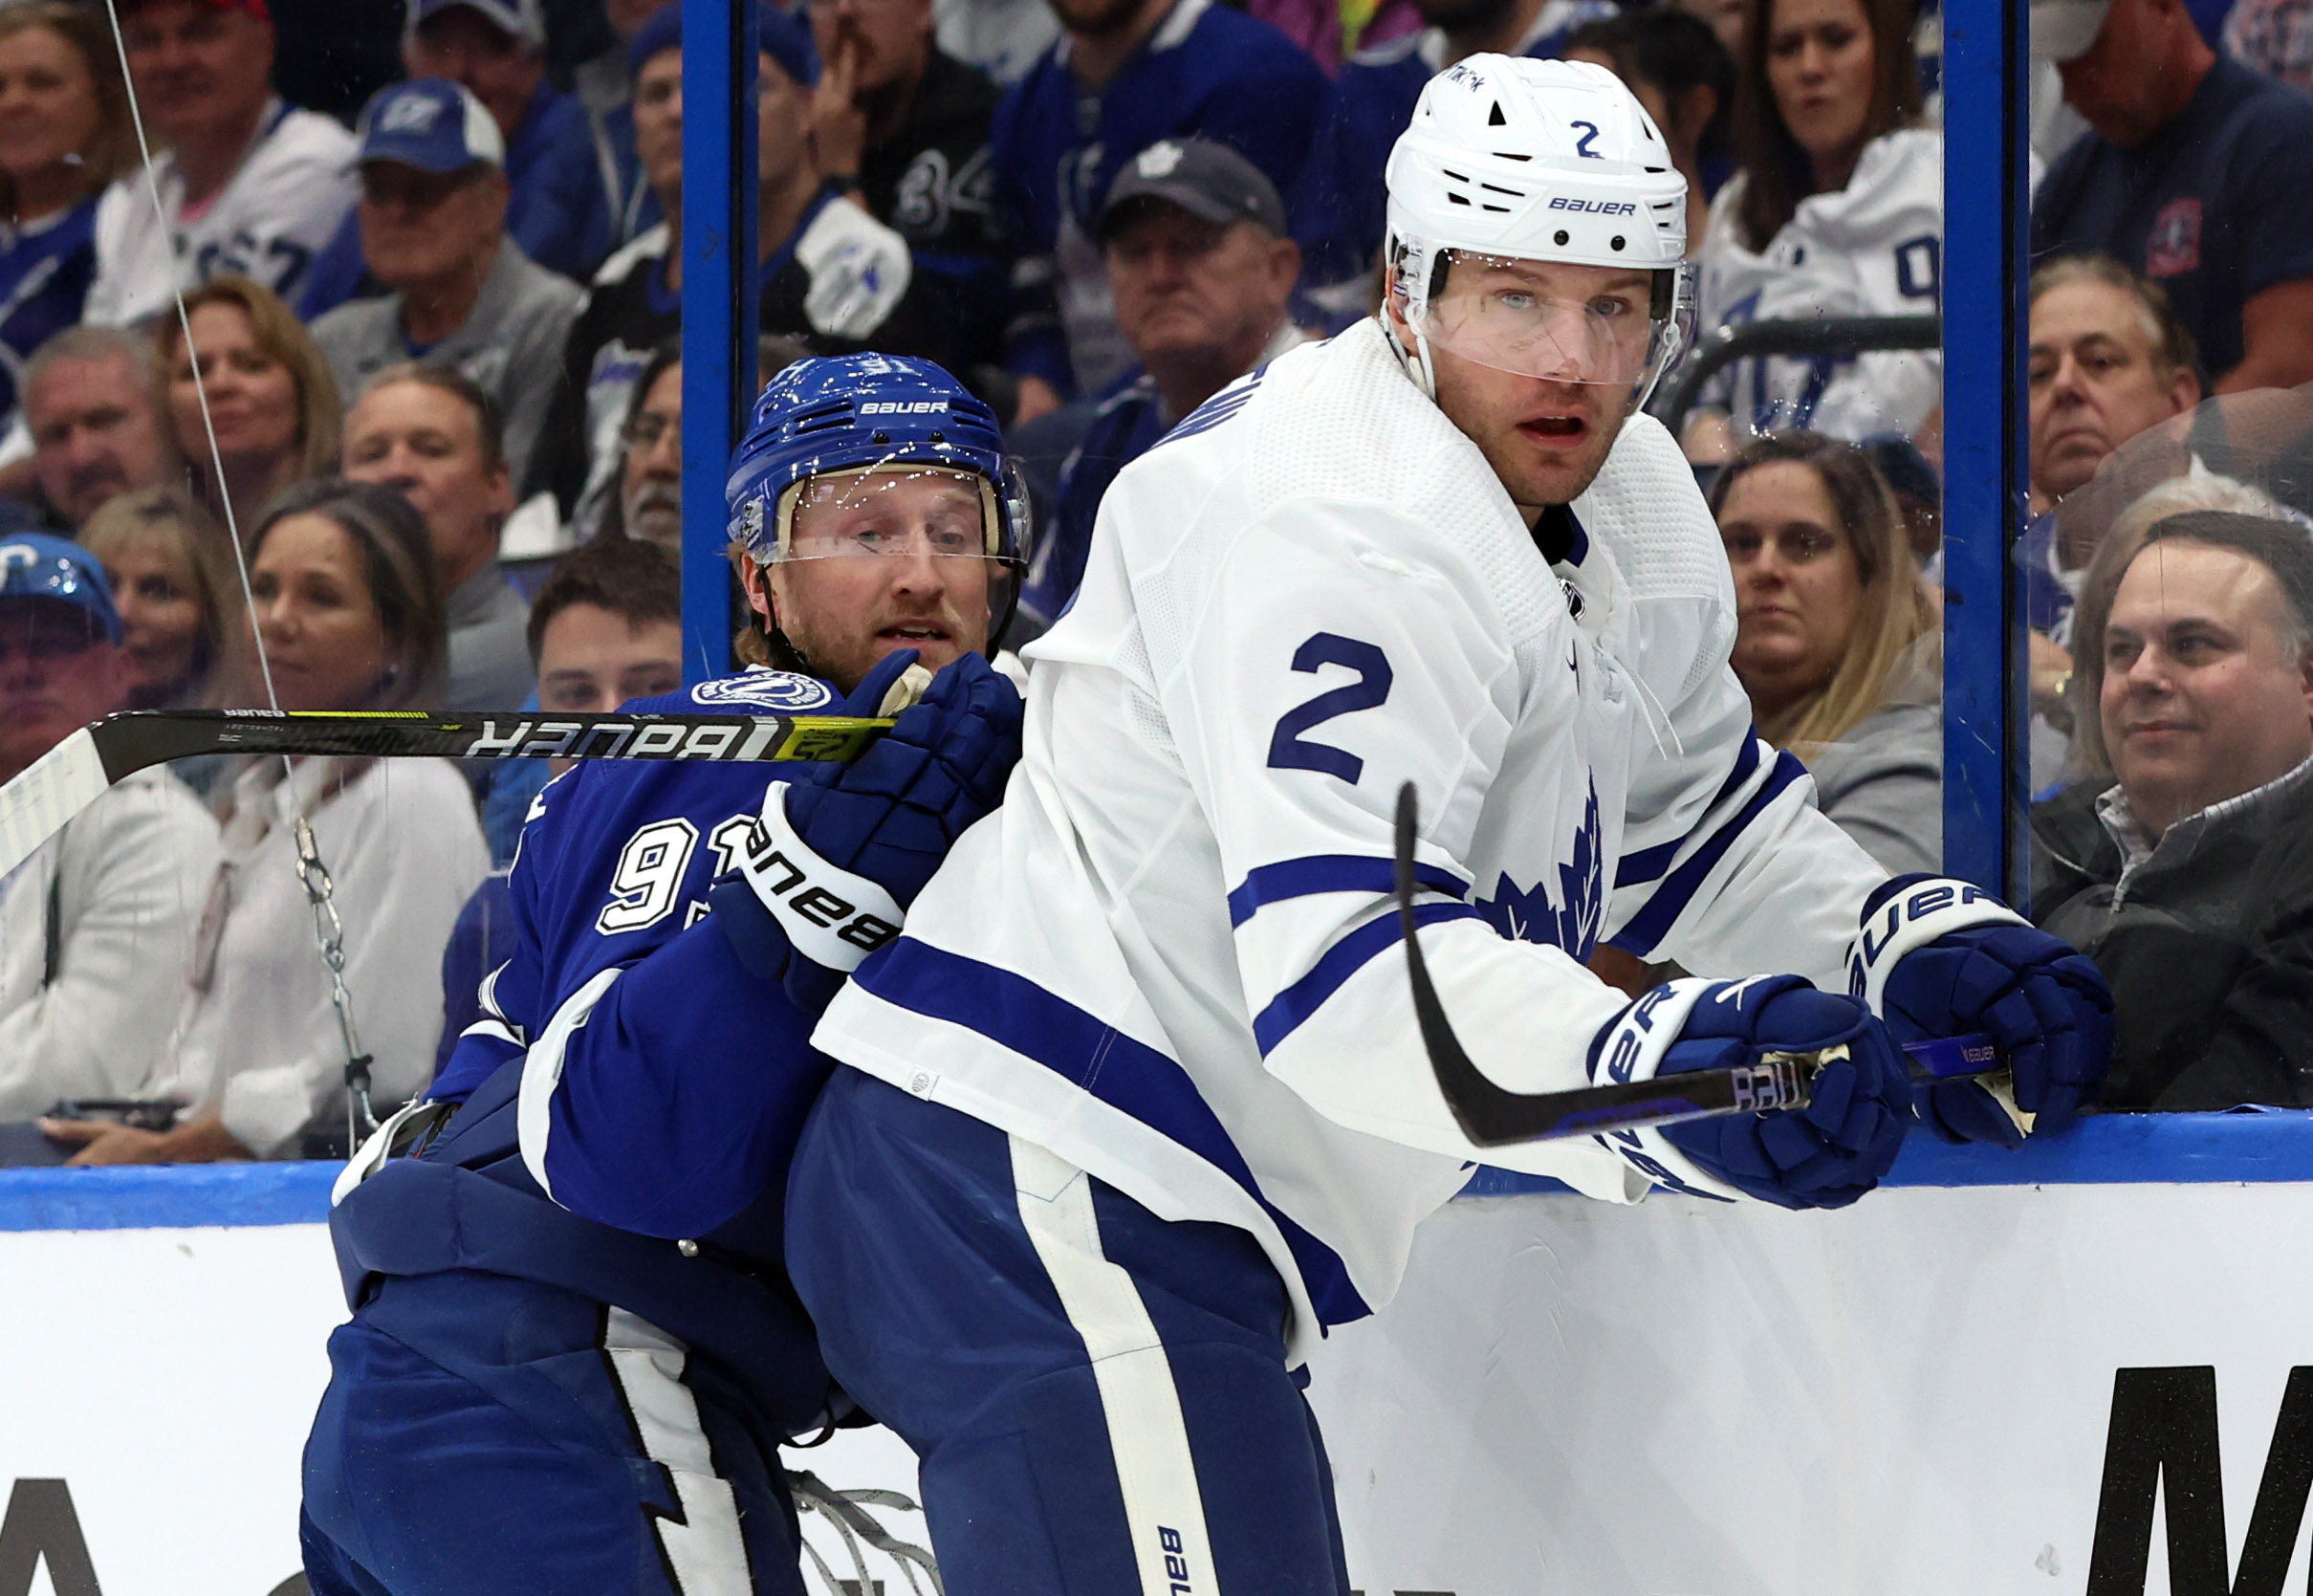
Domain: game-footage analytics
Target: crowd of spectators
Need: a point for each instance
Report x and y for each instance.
(387, 411)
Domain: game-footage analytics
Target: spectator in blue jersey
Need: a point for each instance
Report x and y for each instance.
(828, 271)
(1203, 274)
(97, 412)
(903, 125)
(433, 226)
(1338, 206)
(1127, 73)
(1685, 78)
(64, 134)
(2194, 174)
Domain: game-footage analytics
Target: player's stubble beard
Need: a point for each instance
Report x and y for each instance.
(1487, 406)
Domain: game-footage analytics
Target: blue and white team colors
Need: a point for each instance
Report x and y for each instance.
(1171, 960)
(1874, 248)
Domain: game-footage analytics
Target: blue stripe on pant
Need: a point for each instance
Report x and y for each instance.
(1099, 1398)
(486, 1433)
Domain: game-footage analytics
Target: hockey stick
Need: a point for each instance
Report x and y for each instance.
(70, 776)
(1493, 1116)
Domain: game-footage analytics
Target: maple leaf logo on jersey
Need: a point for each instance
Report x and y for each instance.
(1571, 922)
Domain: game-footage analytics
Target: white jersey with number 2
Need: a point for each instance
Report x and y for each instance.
(1171, 956)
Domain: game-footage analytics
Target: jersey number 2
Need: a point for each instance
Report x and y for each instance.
(1288, 749)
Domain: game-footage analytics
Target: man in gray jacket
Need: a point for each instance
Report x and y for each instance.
(433, 215)
(96, 926)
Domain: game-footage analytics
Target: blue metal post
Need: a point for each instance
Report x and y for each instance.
(1986, 768)
(717, 247)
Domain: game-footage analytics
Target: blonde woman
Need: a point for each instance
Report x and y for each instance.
(272, 403)
(174, 584)
(1837, 642)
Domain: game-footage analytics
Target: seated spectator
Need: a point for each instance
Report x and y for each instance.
(1126, 74)
(607, 627)
(64, 134)
(249, 186)
(1836, 640)
(2069, 704)
(2187, 878)
(904, 126)
(832, 273)
(1202, 273)
(2194, 173)
(432, 436)
(2108, 359)
(432, 219)
(97, 409)
(115, 896)
(649, 501)
(560, 209)
(350, 615)
(1837, 210)
(172, 575)
(1684, 76)
(271, 412)
(1338, 206)
(605, 83)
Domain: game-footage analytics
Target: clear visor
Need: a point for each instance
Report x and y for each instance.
(900, 510)
(1549, 319)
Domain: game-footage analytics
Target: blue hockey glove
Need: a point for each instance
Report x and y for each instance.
(840, 851)
(1824, 1156)
(1940, 958)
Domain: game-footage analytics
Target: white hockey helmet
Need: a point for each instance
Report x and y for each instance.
(1509, 160)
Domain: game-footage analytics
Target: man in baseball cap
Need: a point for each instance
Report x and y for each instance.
(560, 209)
(90, 918)
(2193, 175)
(432, 216)
(1202, 271)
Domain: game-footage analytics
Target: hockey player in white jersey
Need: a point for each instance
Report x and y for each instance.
(1138, 1103)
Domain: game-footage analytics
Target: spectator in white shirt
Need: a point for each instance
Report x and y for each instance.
(115, 896)
(350, 613)
(247, 183)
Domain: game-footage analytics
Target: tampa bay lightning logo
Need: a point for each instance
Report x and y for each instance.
(765, 689)
(1572, 923)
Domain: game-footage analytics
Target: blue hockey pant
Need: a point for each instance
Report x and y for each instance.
(1099, 1398)
(485, 1433)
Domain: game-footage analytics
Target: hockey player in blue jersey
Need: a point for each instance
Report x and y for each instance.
(573, 1352)
(1138, 1103)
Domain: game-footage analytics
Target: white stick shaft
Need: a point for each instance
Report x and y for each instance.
(50, 792)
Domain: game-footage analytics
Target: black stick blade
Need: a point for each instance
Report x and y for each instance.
(1493, 1116)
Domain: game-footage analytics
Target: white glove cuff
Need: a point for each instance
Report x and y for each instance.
(831, 917)
(1634, 1049)
(1914, 918)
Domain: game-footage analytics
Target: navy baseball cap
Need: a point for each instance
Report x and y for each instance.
(1202, 177)
(785, 39)
(430, 123)
(519, 19)
(33, 565)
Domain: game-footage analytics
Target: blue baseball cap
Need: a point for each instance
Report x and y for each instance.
(785, 39)
(33, 565)
(430, 123)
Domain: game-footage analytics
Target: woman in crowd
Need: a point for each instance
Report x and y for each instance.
(272, 400)
(1684, 76)
(64, 135)
(173, 582)
(1836, 639)
(350, 615)
(1837, 210)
